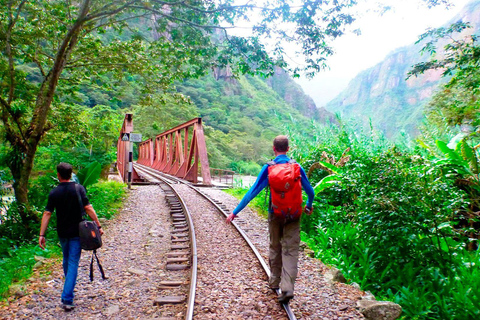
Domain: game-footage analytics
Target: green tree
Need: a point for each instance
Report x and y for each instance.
(458, 101)
(50, 48)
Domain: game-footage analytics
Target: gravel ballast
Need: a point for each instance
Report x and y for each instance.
(231, 283)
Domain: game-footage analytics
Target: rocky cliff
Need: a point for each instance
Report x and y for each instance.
(383, 94)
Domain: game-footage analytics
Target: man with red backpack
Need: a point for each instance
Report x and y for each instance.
(285, 178)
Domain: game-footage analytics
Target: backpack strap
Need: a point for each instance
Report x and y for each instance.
(271, 163)
(99, 266)
(80, 203)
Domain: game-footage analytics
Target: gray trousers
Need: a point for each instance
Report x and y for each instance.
(283, 253)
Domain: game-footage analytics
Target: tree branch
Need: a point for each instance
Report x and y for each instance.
(11, 65)
(102, 14)
(190, 23)
(48, 86)
(73, 66)
(6, 106)
(118, 21)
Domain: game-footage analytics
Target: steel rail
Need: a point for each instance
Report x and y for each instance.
(193, 246)
(266, 269)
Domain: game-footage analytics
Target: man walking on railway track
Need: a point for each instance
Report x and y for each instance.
(285, 179)
(65, 201)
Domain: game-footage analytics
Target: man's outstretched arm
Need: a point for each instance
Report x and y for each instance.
(309, 190)
(259, 185)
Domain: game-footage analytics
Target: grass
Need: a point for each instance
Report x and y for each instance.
(258, 203)
(20, 263)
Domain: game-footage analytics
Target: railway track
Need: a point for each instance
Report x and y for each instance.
(178, 204)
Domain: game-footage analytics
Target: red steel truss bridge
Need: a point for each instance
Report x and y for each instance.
(180, 152)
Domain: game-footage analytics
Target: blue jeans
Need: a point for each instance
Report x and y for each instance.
(71, 256)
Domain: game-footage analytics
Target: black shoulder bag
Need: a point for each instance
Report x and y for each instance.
(90, 238)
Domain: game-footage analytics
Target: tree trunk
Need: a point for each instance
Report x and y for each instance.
(21, 166)
(25, 146)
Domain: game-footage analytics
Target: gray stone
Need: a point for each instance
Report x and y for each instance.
(112, 310)
(335, 275)
(355, 285)
(16, 290)
(303, 245)
(136, 271)
(309, 252)
(368, 296)
(379, 310)
(39, 258)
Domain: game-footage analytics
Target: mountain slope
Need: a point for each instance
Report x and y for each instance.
(383, 94)
(241, 115)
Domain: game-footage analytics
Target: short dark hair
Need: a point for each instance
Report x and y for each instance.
(281, 143)
(64, 170)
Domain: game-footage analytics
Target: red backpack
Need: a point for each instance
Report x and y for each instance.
(286, 189)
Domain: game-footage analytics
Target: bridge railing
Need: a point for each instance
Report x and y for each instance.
(222, 176)
(179, 152)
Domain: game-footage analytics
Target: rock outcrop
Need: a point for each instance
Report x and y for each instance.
(383, 93)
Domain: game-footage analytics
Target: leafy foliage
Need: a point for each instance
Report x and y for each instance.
(106, 197)
(90, 174)
(390, 222)
(18, 264)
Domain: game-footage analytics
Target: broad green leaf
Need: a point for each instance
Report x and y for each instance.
(90, 174)
(330, 166)
(325, 183)
(449, 153)
(469, 155)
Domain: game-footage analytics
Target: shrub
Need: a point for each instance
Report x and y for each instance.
(106, 197)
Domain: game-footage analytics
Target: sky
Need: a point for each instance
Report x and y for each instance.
(380, 35)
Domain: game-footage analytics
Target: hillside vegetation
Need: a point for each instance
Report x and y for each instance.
(241, 115)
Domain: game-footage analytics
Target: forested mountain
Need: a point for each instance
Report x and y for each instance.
(383, 94)
(241, 115)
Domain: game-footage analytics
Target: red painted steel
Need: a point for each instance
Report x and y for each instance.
(178, 152)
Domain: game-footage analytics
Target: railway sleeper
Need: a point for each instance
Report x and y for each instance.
(181, 240)
(160, 301)
(171, 283)
(179, 224)
(177, 267)
(177, 260)
(180, 235)
(179, 247)
(178, 253)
